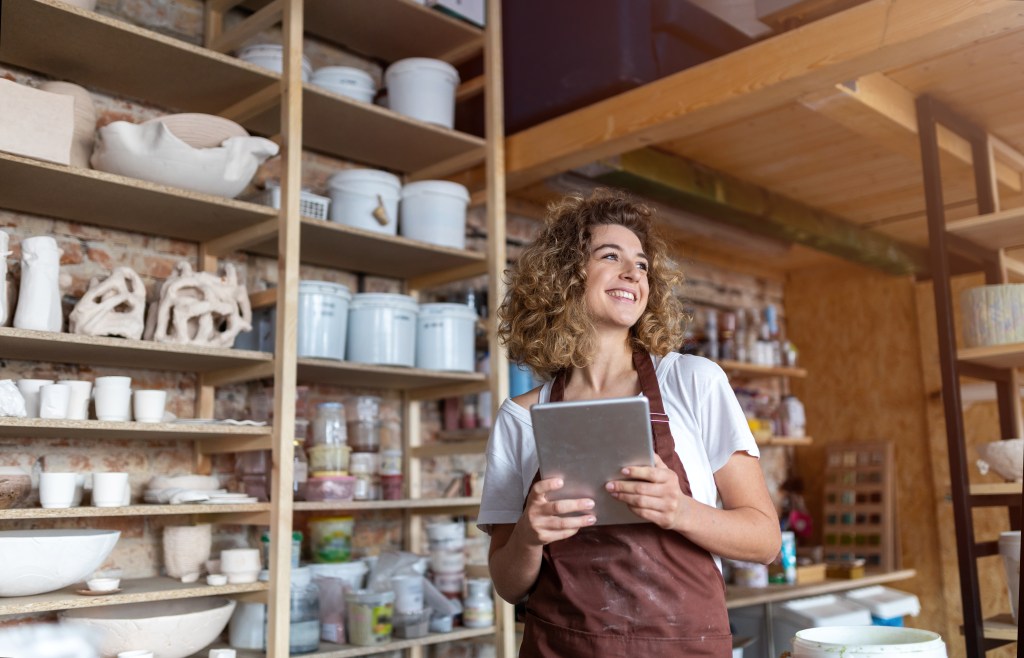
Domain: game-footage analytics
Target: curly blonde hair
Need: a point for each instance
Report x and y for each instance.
(544, 321)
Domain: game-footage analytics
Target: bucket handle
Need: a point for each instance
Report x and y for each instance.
(380, 213)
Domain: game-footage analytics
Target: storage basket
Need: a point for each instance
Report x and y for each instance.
(311, 205)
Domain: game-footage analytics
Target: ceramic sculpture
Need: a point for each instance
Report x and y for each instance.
(85, 119)
(39, 295)
(12, 402)
(152, 152)
(114, 306)
(186, 548)
(4, 253)
(200, 308)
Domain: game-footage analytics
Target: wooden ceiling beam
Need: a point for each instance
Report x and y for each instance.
(878, 35)
(690, 186)
(882, 110)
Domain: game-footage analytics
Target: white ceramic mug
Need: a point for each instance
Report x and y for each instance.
(149, 405)
(113, 403)
(114, 380)
(78, 399)
(57, 489)
(108, 489)
(54, 400)
(29, 389)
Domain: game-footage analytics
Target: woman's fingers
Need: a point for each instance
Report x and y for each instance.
(552, 520)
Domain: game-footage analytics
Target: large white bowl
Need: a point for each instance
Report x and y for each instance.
(37, 561)
(1004, 457)
(170, 629)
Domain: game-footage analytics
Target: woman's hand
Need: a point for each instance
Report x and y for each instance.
(652, 493)
(544, 521)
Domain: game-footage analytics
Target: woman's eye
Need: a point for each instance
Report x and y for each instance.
(611, 256)
(643, 266)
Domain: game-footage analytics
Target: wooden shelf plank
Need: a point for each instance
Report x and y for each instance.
(161, 70)
(426, 505)
(329, 650)
(39, 513)
(739, 597)
(996, 489)
(132, 591)
(361, 375)
(1000, 230)
(330, 244)
(118, 202)
(74, 348)
(446, 449)
(475, 434)
(994, 356)
(742, 368)
(785, 441)
(1001, 627)
(389, 29)
(99, 429)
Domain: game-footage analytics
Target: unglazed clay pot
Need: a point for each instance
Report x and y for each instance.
(152, 152)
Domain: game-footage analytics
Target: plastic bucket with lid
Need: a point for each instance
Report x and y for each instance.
(369, 616)
(382, 329)
(346, 81)
(1009, 548)
(269, 56)
(446, 337)
(424, 89)
(366, 199)
(323, 319)
(867, 642)
(434, 211)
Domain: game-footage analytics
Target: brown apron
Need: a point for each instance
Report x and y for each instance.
(633, 590)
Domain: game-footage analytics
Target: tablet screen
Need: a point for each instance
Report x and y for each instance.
(587, 443)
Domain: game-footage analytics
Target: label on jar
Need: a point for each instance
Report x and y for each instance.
(477, 617)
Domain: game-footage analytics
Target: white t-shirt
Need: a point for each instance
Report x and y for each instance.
(706, 420)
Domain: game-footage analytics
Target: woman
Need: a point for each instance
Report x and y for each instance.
(591, 305)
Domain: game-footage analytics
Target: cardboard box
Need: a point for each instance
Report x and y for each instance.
(810, 573)
(470, 10)
(36, 124)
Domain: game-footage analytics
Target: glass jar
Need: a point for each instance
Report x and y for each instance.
(252, 470)
(329, 424)
(304, 628)
(478, 608)
(363, 413)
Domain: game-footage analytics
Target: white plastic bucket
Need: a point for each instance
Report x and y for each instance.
(382, 329)
(424, 89)
(434, 211)
(323, 319)
(1009, 548)
(352, 573)
(366, 199)
(270, 56)
(867, 642)
(446, 337)
(346, 81)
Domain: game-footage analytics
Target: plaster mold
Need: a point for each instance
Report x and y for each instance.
(114, 306)
(200, 308)
(152, 152)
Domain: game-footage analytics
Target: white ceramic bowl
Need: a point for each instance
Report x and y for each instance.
(201, 131)
(152, 152)
(1004, 457)
(170, 629)
(38, 561)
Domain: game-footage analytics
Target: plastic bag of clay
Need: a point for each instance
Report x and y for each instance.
(391, 564)
(12, 403)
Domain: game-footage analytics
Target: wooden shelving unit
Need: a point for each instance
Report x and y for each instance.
(329, 650)
(420, 505)
(99, 429)
(752, 370)
(132, 591)
(83, 512)
(347, 373)
(997, 230)
(994, 356)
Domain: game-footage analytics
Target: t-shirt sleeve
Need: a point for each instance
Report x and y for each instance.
(504, 485)
(724, 427)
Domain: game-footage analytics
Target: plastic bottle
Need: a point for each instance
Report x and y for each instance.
(304, 628)
(478, 608)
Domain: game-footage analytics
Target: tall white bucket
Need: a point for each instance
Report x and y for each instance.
(366, 199)
(424, 89)
(382, 329)
(867, 642)
(434, 211)
(323, 319)
(446, 337)
(1009, 548)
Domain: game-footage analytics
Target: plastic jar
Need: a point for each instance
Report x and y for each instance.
(331, 538)
(369, 616)
(346, 81)
(329, 424)
(304, 627)
(364, 466)
(478, 608)
(363, 421)
(296, 548)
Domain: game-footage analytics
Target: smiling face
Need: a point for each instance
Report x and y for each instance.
(617, 287)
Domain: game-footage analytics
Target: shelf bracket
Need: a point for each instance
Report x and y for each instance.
(237, 375)
(262, 101)
(241, 239)
(266, 17)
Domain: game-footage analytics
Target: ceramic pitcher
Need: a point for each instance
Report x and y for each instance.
(39, 294)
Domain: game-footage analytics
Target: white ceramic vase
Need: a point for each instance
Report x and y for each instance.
(4, 253)
(39, 294)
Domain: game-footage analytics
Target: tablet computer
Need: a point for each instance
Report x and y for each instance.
(587, 443)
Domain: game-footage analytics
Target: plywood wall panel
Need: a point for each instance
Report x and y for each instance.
(857, 335)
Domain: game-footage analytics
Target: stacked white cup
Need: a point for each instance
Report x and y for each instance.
(447, 542)
(113, 397)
